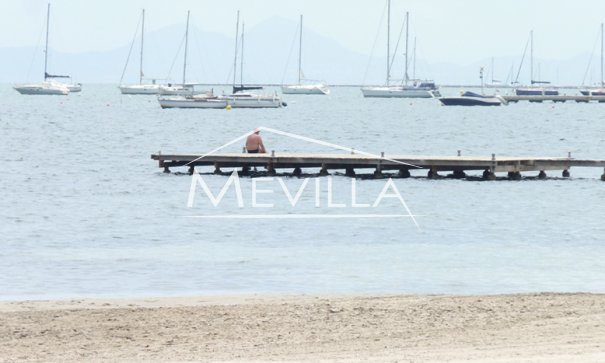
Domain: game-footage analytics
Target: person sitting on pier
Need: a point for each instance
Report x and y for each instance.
(254, 143)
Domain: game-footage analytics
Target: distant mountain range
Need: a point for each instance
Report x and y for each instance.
(271, 56)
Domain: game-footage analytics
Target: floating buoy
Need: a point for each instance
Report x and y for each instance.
(228, 107)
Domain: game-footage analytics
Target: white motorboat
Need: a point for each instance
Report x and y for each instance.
(43, 88)
(472, 99)
(415, 89)
(49, 86)
(300, 88)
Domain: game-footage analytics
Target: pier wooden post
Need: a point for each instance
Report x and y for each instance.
(166, 169)
(459, 174)
(514, 175)
(191, 169)
(270, 169)
(297, 172)
(217, 168)
(489, 175)
(271, 166)
(350, 172)
(324, 170)
(603, 176)
(542, 174)
(404, 173)
(565, 173)
(378, 171)
(433, 174)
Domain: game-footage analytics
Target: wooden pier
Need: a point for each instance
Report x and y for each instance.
(403, 164)
(557, 98)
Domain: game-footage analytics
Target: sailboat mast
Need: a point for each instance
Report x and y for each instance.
(300, 49)
(186, 41)
(407, 28)
(142, 42)
(414, 62)
(241, 67)
(46, 47)
(388, 41)
(235, 57)
(531, 56)
(602, 55)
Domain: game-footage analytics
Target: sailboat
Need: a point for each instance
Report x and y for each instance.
(241, 87)
(601, 90)
(238, 99)
(300, 88)
(533, 90)
(415, 89)
(49, 86)
(494, 83)
(140, 88)
(183, 88)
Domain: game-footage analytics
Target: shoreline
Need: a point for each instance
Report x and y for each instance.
(536, 327)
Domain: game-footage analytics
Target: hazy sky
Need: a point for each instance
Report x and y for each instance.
(460, 31)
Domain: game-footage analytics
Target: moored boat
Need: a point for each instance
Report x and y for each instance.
(472, 99)
(140, 88)
(301, 88)
(534, 89)
(306, 89)
(49, 86)
(209, 101)
(409, 88)
(43, 88)
(421, 89)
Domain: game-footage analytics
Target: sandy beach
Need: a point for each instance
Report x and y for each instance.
(504, 328)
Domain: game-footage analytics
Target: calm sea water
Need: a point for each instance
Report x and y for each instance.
(86, 212)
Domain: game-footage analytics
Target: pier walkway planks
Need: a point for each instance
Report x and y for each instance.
(349, 162)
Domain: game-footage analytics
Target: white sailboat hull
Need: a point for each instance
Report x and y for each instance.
(233, 101)
(140, 89)
(253, 101)
(396, 92)
(44, 88)
(188, 102)
(306, 89)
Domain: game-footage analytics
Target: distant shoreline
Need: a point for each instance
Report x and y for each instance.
(476, 328)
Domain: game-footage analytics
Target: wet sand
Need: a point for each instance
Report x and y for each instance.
(408, 328)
